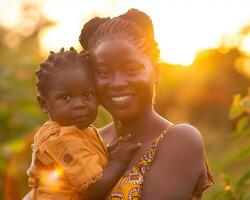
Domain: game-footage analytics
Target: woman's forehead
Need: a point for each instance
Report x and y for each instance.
(117, 51)
(114, 46)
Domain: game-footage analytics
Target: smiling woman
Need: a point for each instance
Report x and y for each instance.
(125, 57)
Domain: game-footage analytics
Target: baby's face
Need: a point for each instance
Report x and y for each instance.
(71, 99)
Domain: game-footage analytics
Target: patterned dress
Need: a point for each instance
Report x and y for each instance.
(130, 185)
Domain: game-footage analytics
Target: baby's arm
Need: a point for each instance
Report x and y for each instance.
(120, 157)
(81, 165)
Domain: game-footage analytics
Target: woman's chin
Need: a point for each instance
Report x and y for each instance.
(128, 114)
(128, 109)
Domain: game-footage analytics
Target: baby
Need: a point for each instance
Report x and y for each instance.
(70, 160)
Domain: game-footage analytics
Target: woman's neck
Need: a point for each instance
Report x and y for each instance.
(144, 128)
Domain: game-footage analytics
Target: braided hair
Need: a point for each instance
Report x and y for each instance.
(57, 62)
(134, 26)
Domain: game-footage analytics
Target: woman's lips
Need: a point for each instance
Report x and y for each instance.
(121, 100)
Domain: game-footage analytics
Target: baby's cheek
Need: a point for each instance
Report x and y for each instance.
(93, 108)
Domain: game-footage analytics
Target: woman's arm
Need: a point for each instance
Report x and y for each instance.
(177, 167)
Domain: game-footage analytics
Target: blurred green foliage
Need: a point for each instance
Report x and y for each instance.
(238, 188)
(200, 94)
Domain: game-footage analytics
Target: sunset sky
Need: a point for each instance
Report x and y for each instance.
(182, 27)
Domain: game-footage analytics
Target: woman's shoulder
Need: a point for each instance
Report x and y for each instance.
(184, 140)
(184, 132)
(108, 133)
(179, 160)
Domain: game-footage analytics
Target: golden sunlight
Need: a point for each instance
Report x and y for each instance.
(54, 38)
(245, 46)
(182, 28)
(9, 13)
(52, 178)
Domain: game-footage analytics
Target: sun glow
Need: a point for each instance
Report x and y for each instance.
(182, 28)
(52, 178)
(246, 44)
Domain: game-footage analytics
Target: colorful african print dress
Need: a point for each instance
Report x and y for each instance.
(130, 185)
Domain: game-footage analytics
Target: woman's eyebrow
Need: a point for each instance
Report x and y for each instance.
(102, 63)
(133, 61)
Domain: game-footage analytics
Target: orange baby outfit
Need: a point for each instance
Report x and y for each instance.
(130, 185)
(65, 161)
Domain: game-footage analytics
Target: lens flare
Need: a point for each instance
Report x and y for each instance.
(52, 178)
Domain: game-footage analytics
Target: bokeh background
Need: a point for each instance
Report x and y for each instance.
(205, 55)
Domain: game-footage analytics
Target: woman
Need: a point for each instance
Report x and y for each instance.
(171, 162)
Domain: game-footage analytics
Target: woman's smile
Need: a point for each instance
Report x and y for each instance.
(121, 100)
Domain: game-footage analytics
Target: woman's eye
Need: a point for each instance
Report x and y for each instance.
(133, 70)
(66, 97)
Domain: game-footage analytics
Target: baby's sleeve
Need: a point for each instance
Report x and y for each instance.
(76, 159)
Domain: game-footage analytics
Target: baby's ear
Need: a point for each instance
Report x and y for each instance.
(157, 72)
(43, 103)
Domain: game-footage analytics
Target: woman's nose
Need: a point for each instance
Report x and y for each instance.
(119, 80)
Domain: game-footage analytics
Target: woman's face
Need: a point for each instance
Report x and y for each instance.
(124, 79)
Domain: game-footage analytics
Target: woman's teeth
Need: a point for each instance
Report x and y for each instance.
(120, 99)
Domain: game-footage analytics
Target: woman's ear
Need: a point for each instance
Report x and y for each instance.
(43, 104)
(157, 72)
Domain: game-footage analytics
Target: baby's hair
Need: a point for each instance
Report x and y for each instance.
(134, 26)
(57, 62)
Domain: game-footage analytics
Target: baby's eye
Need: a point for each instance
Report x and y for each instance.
(102, 73)
(66, 97)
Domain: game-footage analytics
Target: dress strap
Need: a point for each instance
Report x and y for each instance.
(148, 157)
(160, 137)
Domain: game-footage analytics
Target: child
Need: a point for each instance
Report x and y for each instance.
(69, 159)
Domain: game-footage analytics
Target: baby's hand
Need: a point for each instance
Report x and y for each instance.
(122, 150)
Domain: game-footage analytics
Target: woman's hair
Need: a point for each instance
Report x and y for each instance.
(57, 62)
(134, 26)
